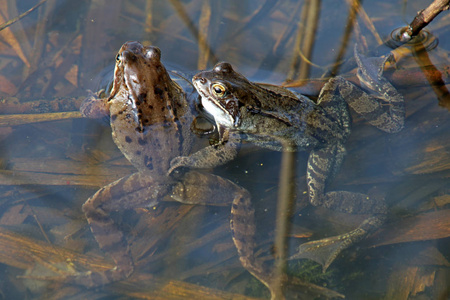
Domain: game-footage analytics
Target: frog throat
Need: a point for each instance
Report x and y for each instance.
(227, 115)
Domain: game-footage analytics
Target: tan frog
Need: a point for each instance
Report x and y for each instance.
(150, 116)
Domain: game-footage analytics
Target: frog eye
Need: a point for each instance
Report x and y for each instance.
(219, 90)
(118, 57)
(223, 67)
(153, 53)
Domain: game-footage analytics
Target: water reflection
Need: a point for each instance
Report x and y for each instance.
(48, 60)
(428, 41)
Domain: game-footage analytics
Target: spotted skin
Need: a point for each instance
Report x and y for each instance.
(150, 117)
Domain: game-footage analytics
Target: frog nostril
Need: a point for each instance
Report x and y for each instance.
(202, 80)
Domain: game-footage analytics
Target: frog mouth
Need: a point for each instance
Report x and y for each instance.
(214, 107)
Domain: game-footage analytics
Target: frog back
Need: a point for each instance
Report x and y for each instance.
(151, 138)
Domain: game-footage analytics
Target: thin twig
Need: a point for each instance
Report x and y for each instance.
(401, 78)
(298, 41)
(305, 39)
(437, 84)
(10, 22)
(348, 31)
(285, 205)
(192, 28)
(41, 36)
(423, 18)
(14, 120)
(368, 22)
(310, 37)
(149, 16)
(204, 24)
(288, 30)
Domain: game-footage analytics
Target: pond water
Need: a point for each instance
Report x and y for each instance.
(52, 162)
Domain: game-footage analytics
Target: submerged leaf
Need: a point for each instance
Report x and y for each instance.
(428, 226)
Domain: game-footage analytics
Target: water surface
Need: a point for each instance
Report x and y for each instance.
(52, 56)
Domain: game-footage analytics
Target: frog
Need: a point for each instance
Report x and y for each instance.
(279, 119)
(150, 116)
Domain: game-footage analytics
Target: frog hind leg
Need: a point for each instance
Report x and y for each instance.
(243, 230)
(133, 191)
(200, 188)
(380, 103)
(141, 190)
(322, 164)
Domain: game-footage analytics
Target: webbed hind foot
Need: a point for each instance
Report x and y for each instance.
(326, 250)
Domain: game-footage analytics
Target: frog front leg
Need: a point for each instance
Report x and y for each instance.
(323, 163)
(209, 157)
(94, 107)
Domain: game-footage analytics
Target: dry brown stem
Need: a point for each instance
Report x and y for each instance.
(424, 17)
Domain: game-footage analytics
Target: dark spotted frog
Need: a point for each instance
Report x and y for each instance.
(278, 119)
(150, 116)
